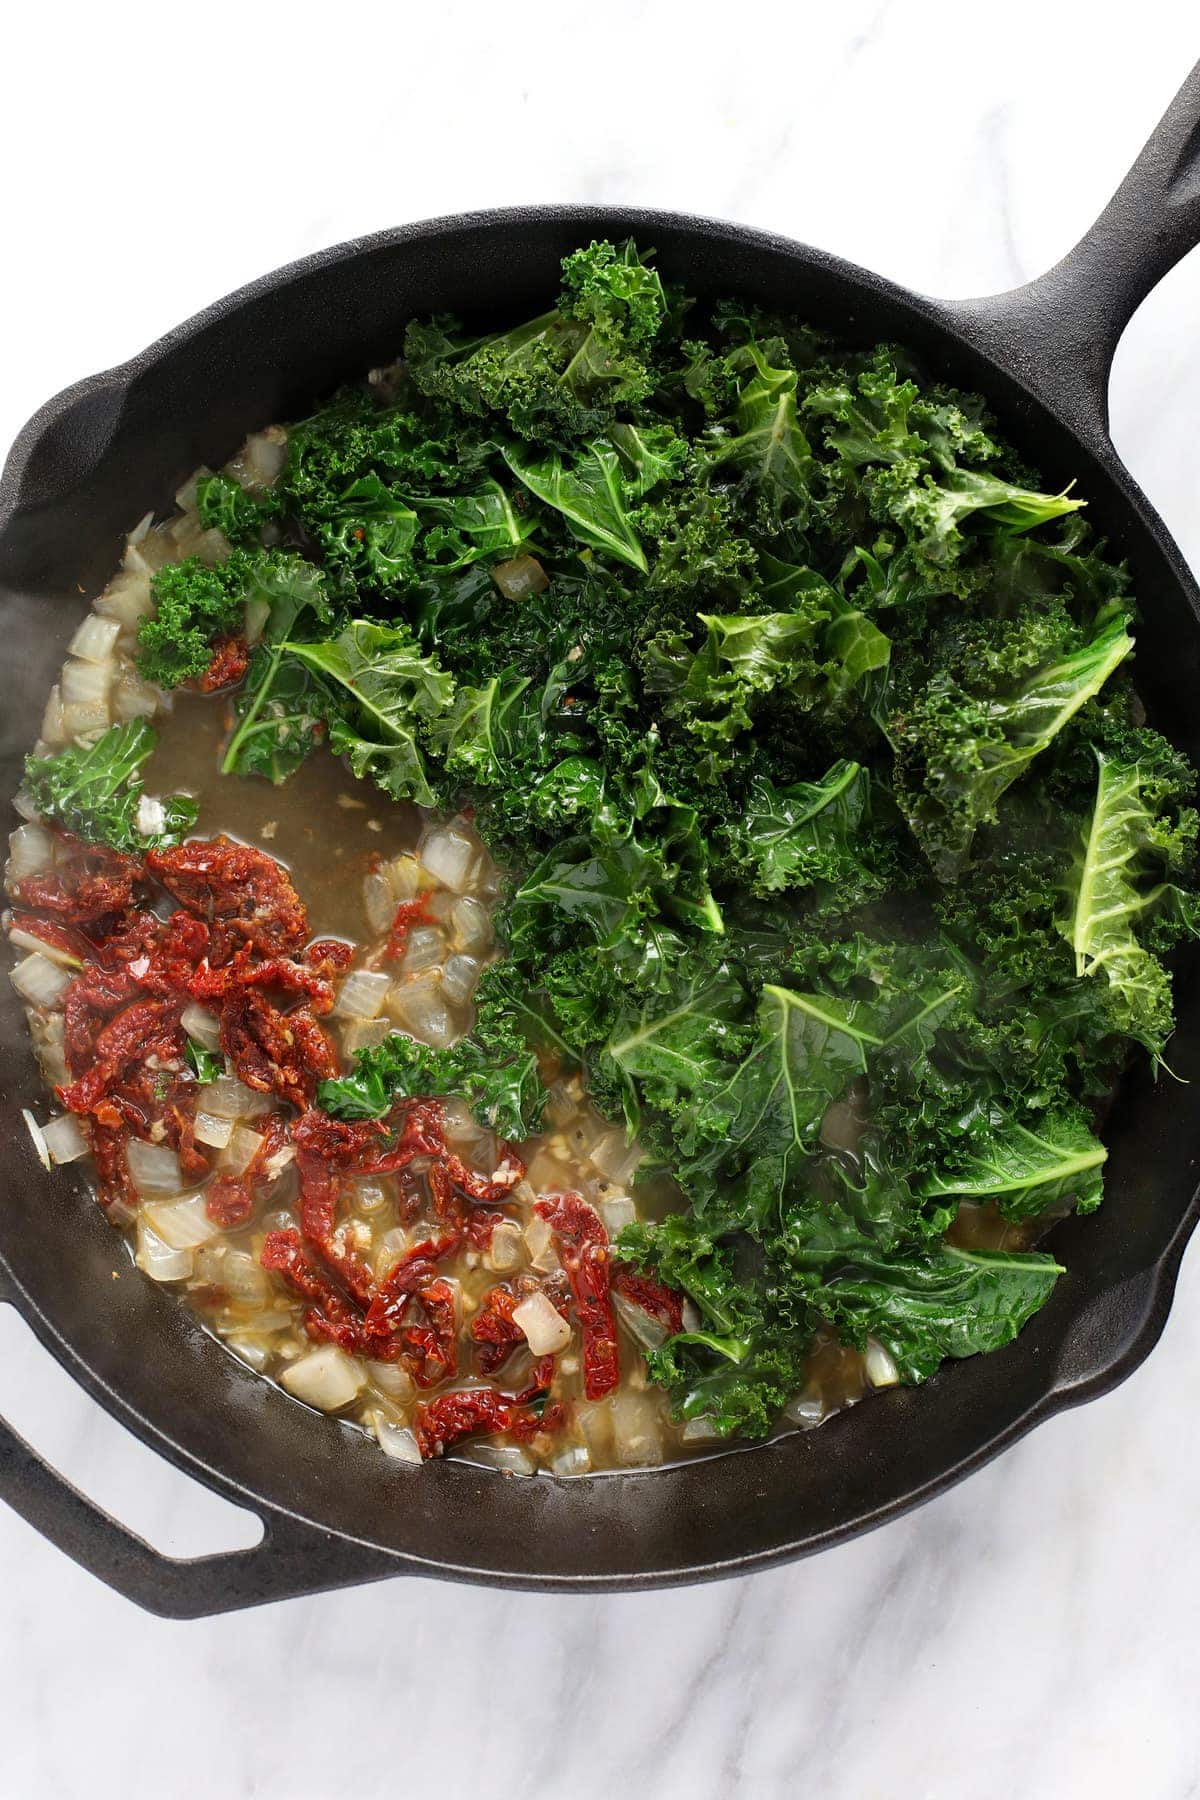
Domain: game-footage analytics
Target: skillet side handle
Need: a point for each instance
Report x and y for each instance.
(1060, 332)
(293, 1558)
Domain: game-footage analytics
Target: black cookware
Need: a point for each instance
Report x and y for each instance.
(336, 1511)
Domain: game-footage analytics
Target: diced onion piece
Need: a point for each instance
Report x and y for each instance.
(701, 1430)
(404, 879)
(880, 1366)
(151, 817)
(54, 730)
(368, 1194)
(392, 1379)
(154, 1168)
(379, 902)
(614, 1157)
(363, 1034)
(84, 719)
(133, 698)
(230, 1098)
(128, 597)
(241, 1149)
(617, 1212)
(264, 454)
(23, 803)
(642, 1326)
(244, 1279)
(505, 1249)
(422, 1011)
(202, 1025)
(459, 976)
(29, 940)
(257, 614)
(156, 1257)
(30, 852)
(96, 639)
(210, 1130)
(39, 1137)
(450, 858)
(510, 1459)
(470, 925)
(64, 1139)
(390, 1249)
(48, 1031)
(396, 1441)
(574, 1461)
(424, 949)
(594, 1419)
(326, 1378)
(520, 577)
(539, 1241)
(362, 995)
(184, 1224)
(546, 1331)
(185, 496)
(637, 1434)
(85, 683)
(39, 980)
(250, 1351)
(806, 1409)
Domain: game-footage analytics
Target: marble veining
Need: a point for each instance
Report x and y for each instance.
(1031, 1633)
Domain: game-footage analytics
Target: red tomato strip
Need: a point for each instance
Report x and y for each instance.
(583, 1248)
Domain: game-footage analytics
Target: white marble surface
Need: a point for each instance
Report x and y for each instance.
(1031, 1633)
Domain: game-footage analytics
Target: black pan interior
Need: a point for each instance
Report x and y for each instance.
(122, 446)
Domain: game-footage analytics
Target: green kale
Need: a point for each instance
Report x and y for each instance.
(96, 792)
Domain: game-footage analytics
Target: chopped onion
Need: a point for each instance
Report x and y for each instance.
(880, 1366)
(539, 1241)
(806, 1409)
(230, 1098)
(379, 902)
(520, 577)
(404, 879)
(504, 1251)
(29, 940)
(39, 980)
(151, 816)
(38, 1136)
(48, 1031)
(154, 1168)
(424, 949)
(362, 995)
(326, 1378)
(30, 852)
(594, 1419)
(86, 683)
(450, 858)
(546, 1331)
(127, 598)
(392, 1379)
(64, 1139)
(265, 453)
(84, 718)
(23, 803)
(257, 614)
(458, 979)
(617, 1212)
(210, 1130)
(362, 1034)
(202, 1025)
(642, 1326)
(54, 730)
(614, 1157)
(184, 1224)
(702, 1430)
(637, 1437)
(471, 925)
(510, 1459)
(256, 1355)
(396, 1441)
(420, 1008)
(244, 1279)
(133, 698)
(390, 1249)
(157, 1259)
(241, 1149)
(96, 639)
(574, 1461)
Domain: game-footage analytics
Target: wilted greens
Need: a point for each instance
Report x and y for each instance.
(839, 857)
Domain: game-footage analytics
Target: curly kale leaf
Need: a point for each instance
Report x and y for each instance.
(95, 791)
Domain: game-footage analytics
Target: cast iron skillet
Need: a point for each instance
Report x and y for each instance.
(335, 1511)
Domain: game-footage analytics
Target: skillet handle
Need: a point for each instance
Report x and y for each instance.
(1060, 332)
(293, 1558)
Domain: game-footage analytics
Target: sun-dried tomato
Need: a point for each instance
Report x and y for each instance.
(330, 1316)
(442, 1421)
(408, 914)
(494, 1329)
(328, 956)
(89, 884)
(244, 894)
(147, 1028)
(583, 1249)
(662, 1303)
(230, 660)
(113, 1181)
(286, 975)
(414, 1269)
(431, 1351)
(275, 1052)
(54, 933)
